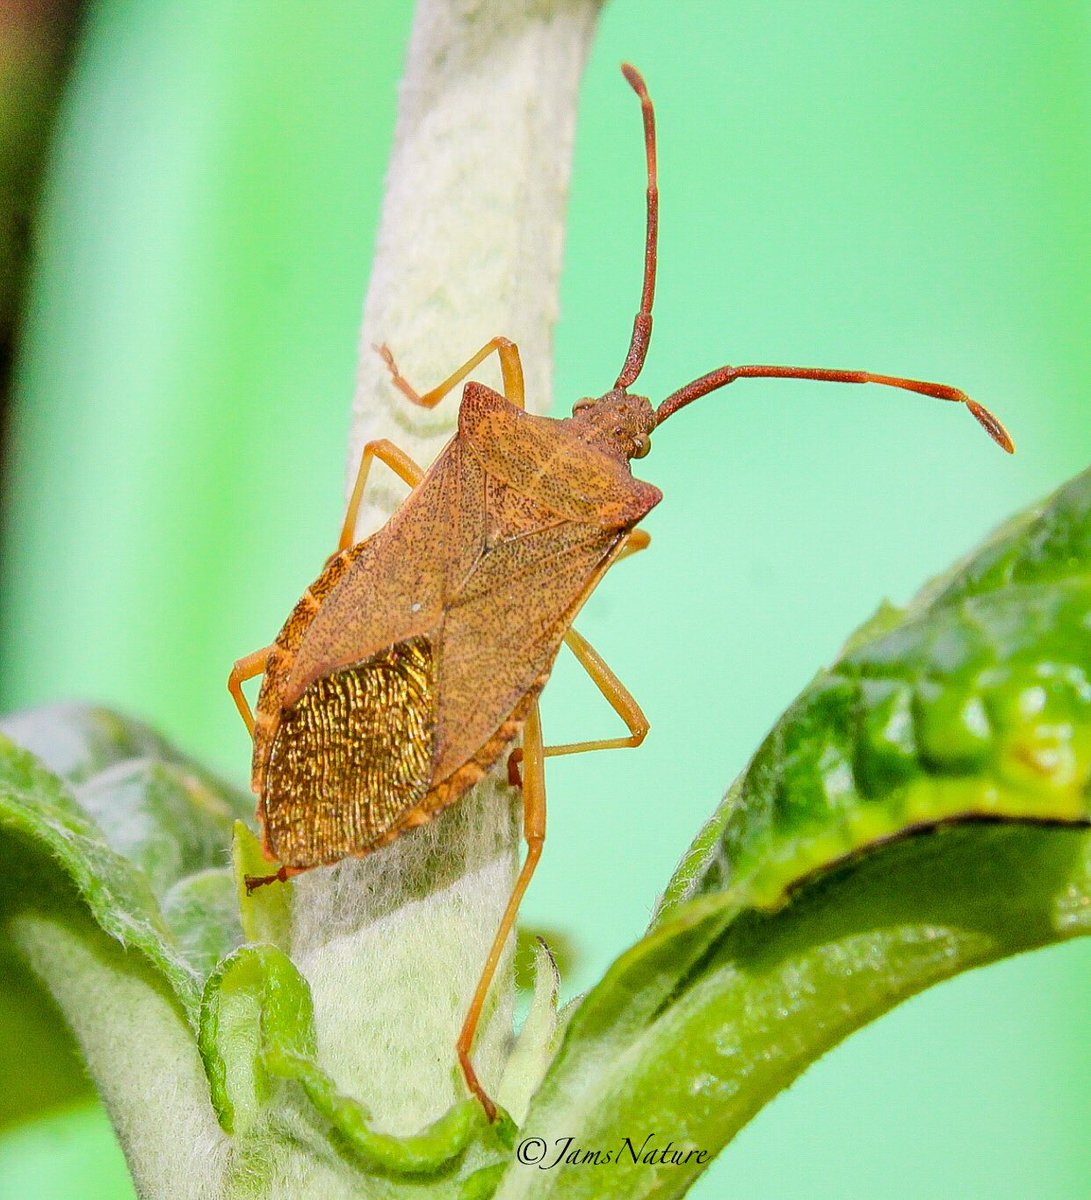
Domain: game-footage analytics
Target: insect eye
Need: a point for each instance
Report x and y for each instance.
(643, 445)
(580, 405)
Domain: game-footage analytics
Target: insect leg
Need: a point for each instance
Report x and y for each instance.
(397, 460)
(621, 701)
(534, 822)
(246, 668)
(612, 688)
(636, 541)
(511, 367)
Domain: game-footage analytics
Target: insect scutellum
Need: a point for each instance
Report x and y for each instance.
(625, 422)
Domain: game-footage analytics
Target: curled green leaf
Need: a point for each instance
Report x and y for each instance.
(921, 809)
(97, 808)
(38, 811)
(257, 1025)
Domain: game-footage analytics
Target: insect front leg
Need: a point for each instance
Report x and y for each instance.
(511, 367)
(534, 823)
(246, 668)
(636, 541)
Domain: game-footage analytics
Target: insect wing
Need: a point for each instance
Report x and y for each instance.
(352, 756)
(500, 638)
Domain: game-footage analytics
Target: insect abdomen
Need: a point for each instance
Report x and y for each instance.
(352, 757)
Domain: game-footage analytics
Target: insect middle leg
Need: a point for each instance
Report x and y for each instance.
(534, 822)
(405, 468)
(621, 701)
(620, 698)
(397, 460)
(511, 368)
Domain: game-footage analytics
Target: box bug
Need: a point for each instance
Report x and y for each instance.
(414, 661)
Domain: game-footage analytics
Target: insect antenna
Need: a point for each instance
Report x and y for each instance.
(940, 391)
(642, 325)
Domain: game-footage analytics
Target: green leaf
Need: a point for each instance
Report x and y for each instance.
(974, 703)
(115, 885)
(257, 1025)
(137, 839)
(140, 832)
(202, 913)
(266, 911)
(921, 809)
(537, 1040)
(37, 809)
(77, 741)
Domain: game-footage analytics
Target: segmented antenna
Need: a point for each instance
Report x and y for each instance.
(940, 391)
(642, 325)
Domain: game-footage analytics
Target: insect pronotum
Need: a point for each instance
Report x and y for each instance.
(417, 657)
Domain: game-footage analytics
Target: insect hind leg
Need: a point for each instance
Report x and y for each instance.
(246, 668)
(534, 824)
(281, 875)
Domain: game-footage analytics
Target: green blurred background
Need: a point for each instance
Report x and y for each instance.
(904, 188)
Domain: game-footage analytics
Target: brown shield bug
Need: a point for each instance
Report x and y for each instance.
(417, 657)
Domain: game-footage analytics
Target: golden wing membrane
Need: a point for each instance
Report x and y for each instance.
(352, 757)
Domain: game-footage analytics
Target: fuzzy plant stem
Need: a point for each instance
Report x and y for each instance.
(392, 945)
(470, 247)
